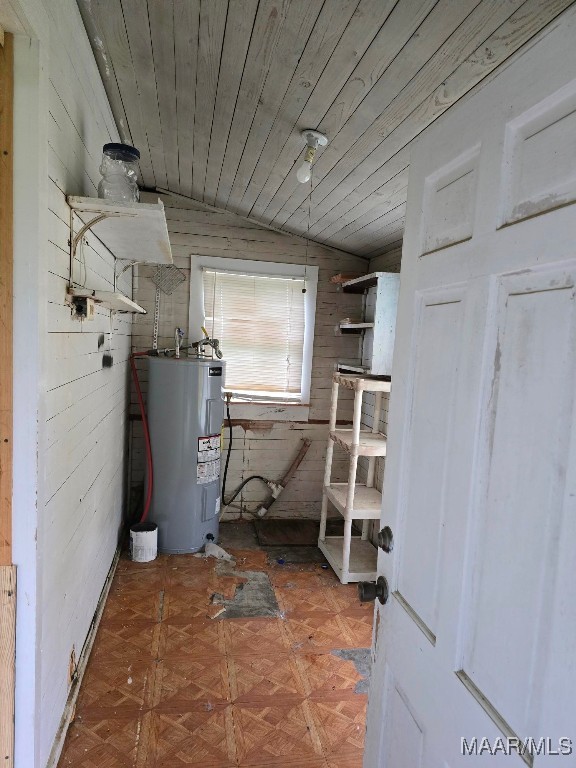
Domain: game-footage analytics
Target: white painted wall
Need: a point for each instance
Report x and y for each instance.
(70, 413)
(259, 447)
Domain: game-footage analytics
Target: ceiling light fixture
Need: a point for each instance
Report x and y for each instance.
(313, 140)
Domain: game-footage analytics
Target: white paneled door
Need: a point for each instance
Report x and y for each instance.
(475, 656)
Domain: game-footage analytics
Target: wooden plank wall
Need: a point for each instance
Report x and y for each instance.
(83, 440)
(264, 448)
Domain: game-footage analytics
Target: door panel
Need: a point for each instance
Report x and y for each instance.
(449, 202)
(405, 738)
(538, 157)
(429, 423)
(527, 436)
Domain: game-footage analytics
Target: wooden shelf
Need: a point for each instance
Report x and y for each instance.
(130, 231)
(371, 443)
(367, 501)
(360, 284)
(354, 327)
(108, 299)
(363, 558)
(351, 368)
(360, 384)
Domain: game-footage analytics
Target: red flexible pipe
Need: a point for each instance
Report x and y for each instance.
(149, 465)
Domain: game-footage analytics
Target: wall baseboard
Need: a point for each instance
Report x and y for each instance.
(69, 709)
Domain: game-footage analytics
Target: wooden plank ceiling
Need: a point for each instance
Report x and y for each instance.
(215, 93)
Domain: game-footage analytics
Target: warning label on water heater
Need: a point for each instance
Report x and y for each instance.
(208, 471)
(208, 464)
(208, 448)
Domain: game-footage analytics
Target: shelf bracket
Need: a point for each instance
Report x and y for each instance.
(75, 239)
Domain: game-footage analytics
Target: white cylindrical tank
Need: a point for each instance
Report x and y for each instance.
(185, 414)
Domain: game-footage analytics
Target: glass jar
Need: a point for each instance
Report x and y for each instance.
(119, 169)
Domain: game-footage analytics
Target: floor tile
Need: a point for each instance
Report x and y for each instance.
(191, 682)
(350, 761)
(252, 636)
(226, 585)
(189, 578)
(201, 737)
(124, 605)
(328, 578)
(274, 734)
(185, 603)
(317, 632)
(150, 580)
(287, 762)
(327, 676)
(358, 627)
(249, 559)
(270, 677)
(191, 637)
(118, 640)
(309, 600)
(190, 561)
(345, 597)
(340, 724)
(113, 742)
(118, 685)
(293, 579)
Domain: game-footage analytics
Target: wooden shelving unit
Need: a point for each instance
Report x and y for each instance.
(377, 324)
(353, 558)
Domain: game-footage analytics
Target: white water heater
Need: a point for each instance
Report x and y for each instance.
(185, 415)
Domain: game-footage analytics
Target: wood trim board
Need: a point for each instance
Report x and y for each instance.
(7, 570)
(6, 295)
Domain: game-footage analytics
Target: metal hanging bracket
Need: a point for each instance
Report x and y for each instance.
(76, 239)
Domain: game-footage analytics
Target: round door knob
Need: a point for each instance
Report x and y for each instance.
(369, 591)
(386, 539)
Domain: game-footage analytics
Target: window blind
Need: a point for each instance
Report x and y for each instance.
(259, 321)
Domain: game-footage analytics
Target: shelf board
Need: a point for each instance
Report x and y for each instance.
(341, 278)
(363, 558)
(371, 443)
(351, 368)
(108, 299)
(360, 383)
(132, 231)
(361, 284)
(354, 327)
(367, 501)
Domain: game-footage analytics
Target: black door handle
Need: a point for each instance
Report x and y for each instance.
(369, 591)
(386, 539)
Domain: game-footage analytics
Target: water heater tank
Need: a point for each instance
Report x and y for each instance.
(185, 414)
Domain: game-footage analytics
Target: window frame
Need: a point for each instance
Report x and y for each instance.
(264, 269)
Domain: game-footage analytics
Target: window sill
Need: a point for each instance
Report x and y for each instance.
(240, 409)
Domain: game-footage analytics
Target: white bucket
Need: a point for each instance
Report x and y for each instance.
(143, 542)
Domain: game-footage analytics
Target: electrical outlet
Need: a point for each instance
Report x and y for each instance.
(90, 309)
(84, 307)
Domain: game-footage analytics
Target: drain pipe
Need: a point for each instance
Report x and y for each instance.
(279, 487)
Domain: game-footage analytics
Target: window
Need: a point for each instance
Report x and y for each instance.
(265, 324)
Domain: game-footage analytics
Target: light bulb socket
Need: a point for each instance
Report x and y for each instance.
(309, 156)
